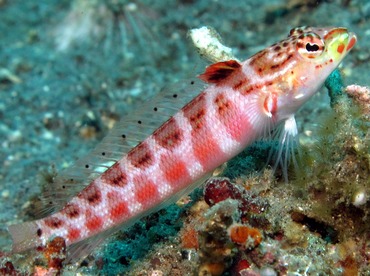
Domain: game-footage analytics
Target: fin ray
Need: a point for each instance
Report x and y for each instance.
(220, 71)
(24, 236)
(287, 136)
(125, 135)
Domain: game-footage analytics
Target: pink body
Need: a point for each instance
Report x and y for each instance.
(207, 132)
(243, 101)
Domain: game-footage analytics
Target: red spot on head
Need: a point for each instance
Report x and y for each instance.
(73, 235)
(115, 176)
(53, 222)
(340, 48)
(71, 210)
(169, 135)
(91, 194)
(141, 157)
(146, 192)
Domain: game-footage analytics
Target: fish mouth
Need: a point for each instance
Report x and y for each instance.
(352, 41)
(339, 41)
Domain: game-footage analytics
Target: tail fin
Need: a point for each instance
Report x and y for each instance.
(24, 236)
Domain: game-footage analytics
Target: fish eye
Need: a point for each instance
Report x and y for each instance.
(310, 45)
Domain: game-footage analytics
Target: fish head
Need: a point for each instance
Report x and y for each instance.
(314, 55)
(322, 49)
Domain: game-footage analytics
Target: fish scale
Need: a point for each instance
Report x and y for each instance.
(243, 102)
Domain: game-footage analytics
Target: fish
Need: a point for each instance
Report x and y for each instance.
(238, 103)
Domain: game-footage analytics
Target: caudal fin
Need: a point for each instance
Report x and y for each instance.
(24, 236)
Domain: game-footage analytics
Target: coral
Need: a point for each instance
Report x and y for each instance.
(189, 238)
(334, 84)
(118, 255)
(219, 189)
(361, 95)
(241, 266)
(245, 235)
(8, 269)
(55, 253)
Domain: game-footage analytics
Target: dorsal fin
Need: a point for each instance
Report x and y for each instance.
(125, 135)
(219, 71)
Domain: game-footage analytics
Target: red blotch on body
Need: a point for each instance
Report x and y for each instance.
(53, 222)
(141, 157)
(146, 191)
(71, 210)
(115, 176)
(207, 151)
(73, 234)
(223, 105)
(195, 112)
(233, 119)
(91, 194)
(169, 135)
(175, 172)
(94, 223)
(118, 209)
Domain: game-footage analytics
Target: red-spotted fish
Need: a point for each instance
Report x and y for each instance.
(242, 101)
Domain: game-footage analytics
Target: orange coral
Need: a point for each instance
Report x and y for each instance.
(241, 234)
(189, 238)
(55, 253)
